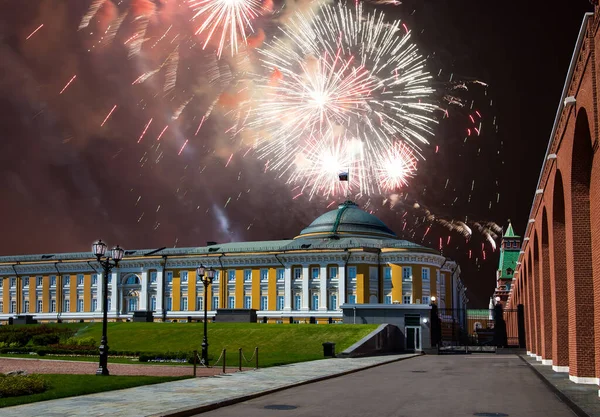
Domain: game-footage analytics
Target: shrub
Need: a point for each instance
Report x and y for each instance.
(157, 356)
(87, 341)
(15, 385)
(45, 339)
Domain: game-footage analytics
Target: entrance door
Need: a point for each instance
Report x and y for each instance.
(413, 338)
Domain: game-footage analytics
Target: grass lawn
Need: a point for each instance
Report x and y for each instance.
(278, 343)
(72, 385)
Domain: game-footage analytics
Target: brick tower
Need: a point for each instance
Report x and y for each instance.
(509, 253)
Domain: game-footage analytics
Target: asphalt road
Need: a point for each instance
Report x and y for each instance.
(431, 385)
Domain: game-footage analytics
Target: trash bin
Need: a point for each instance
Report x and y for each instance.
(329, 349)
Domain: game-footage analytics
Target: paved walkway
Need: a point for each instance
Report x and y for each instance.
(183, 397)
(50, 366)
(431, 385)
(584, 396)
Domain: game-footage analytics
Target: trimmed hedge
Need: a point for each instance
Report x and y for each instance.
(22, 335)
(16, 385)
(166, 356)
(65, 350)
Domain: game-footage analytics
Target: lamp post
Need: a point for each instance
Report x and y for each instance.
(207, 276)
(99, 250)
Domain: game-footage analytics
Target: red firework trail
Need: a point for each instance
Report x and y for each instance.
(161, 133)
(33, 33)
(68, 84)
(144, 132)
(181, 150)
(108, 115)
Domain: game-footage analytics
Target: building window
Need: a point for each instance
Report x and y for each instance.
(40, 281)
(67, 306)
(66, 280)
(425, 299)
(25, 281)
(184, 277)
(26, 306)
(231, 275)
(53, 280)
(108, 304)
(13, 282)
(280, 302)
(297, 273)
(247, 275)
(95, 279)
(247, 302)
(333, 301)
(333, 272)
(387, 273)
(80, 305)
(200, 303)
(79, 280)
(184, 304)
(297, 302)
(280, 274)
(264, 303)
(388, 299)
(13, 307)
(153, 303)
(264, 275)
(169, 277)
(231, 302)
(315, 301)
(315, 273)
(352, 272)
(94, 304)
(215, 302)
(1, 282)
(1, 307)
(216, 278)
(169, 303)
(406, 273)
(352, 299)
(407, 299)
(53, 306)
(153, 276)
(425, 274)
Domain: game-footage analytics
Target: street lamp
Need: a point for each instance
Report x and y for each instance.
(207, 276)
(99, 250)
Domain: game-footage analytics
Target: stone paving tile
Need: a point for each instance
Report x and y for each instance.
(585, 396)
(161, 399)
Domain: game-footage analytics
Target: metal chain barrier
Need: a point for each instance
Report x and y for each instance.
(254, 355)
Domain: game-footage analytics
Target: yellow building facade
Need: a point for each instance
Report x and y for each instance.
(345, 256)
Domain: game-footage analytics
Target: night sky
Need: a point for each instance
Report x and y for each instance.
(67, 180)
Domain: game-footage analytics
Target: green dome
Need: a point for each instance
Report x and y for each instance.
(348, 220)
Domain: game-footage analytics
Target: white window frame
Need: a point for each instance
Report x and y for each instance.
(66, 280)
(425, 299)
(183, 276)
(264, 275)
(247, 275)
(200, 303)
(333, 301)
(94, 279)
(264, 302)
(247, 301)
(80, 305)
(297, 302)
(404, 298)
(53, 306)
(80, 280)
(66, 306)
(280, 302)
(297, 273)
(231, 275)
(184, 303)
(153, 275)
(26, 306)
(215, 302)
(407, 273)
(39, 281)
(387, 299)
(315, 297)
(314, 273)
(53, 280)
(352, 273)
(231, 301)
(351, 299)
(423, 274)
(333, 272)
(153, 303)
(94, 304)
(169, 277)
(387, 273)
(280, 274)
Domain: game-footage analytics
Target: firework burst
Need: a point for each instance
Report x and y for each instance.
(341, 72)
(225, 19)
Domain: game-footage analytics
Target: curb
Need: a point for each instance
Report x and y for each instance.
(564, 398)
(190, 411)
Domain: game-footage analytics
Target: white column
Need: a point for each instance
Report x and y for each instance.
(114, 280)
(287, 289)
(144, 294)
(100, 292)
(159, 293)
(323, 288)
(341, 284)
(305, 292)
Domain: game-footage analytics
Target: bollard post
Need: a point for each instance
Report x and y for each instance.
(256, 353)
(224, 359)
(195, 355)
(240, 355)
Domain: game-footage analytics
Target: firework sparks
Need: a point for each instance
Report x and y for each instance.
(231, 17)
(348, 75)
(397, 165)
(145, 129)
